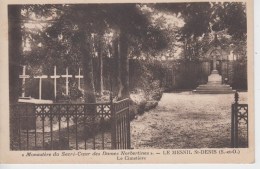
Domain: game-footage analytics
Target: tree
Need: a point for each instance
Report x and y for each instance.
(15, 46)
(202, 19)
(55, 39)
(231, 17)
(67, 38)
(81, 22)
(197, 23)
(99, 51)
(128, 21)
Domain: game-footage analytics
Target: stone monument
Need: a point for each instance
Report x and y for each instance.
(214, 84)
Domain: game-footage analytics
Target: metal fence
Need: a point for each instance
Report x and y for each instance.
(70, 126)
(239, 124)
(121, 125)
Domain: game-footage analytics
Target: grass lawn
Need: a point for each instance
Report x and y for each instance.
(186, 120)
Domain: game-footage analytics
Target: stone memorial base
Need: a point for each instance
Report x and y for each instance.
(28, 123)
(35, 101)
(214, 85)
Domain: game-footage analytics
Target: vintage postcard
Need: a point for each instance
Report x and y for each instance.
(127, 81)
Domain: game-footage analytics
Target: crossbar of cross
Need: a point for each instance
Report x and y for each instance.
(24, 77)
(79, 76)
(40, 84)
(67, 76)
(55, 77)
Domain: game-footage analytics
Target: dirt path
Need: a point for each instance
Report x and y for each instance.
(185, 120)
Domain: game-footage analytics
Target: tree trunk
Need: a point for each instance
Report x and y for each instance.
(124, 66)
(115, 65)
(185, 49)
(15, 50)
(100, 60)
(87, 62)
(119, 69)
(101, 76)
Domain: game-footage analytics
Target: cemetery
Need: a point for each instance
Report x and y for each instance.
(85, 77)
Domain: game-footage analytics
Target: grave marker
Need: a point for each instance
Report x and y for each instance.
(55, 77)
(79, 77)
(67, 76)
(40, 84)
(23, 76)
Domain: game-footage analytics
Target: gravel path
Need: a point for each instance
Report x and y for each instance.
(186, 120)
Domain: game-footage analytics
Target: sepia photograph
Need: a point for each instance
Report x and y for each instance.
(86, 79)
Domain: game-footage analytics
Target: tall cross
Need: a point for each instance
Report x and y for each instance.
(79, 77)
(23, 76)
(40, 84)
(55, 77)
(67, 76)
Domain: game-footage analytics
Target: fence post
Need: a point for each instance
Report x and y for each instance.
(235, 121)
(113, 123)
(128, 127)
(232, 124)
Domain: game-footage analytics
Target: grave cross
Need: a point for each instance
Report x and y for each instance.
(23, 76)
(79, 77)
(40, 84)
(55, 77)
(67, 76)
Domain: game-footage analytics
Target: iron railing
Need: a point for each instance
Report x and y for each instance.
(239, 124)
(70, 126)
(121, 125)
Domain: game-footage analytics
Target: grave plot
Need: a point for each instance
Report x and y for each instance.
(70, 126)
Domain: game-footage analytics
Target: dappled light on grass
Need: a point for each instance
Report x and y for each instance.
(186, 120)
